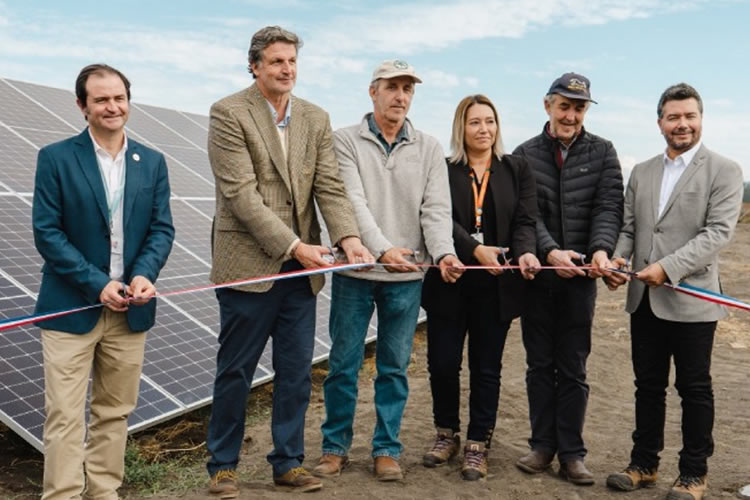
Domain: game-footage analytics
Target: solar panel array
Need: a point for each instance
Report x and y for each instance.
(179, 363)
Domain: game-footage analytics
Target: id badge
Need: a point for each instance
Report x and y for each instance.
(116, 244)
(478, 237)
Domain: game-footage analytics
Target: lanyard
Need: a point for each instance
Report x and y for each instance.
(114, 202)
(479, 196)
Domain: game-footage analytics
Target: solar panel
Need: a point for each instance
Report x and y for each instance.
(19, 259)
(179, 361)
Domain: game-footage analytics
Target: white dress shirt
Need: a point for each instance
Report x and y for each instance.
(113, 177)
(673, 169)
(282, 127)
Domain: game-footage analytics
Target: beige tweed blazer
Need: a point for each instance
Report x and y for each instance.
(260, 197)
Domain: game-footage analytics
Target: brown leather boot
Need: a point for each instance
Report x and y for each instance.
(535, 462)
(330, 465)
(224, 484)
(632, 478)
(387, 469)
(446, 446)
(298, 479)
(475, 461)
(688, 488)
(576, 472)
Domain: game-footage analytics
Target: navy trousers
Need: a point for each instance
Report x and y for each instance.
(287, 314)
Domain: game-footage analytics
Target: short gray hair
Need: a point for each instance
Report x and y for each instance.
(678, 92)
(550, 99)
(265, 37)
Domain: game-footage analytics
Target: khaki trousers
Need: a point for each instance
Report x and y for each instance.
(76, 465)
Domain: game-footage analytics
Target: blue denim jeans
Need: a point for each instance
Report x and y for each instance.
(352, 304)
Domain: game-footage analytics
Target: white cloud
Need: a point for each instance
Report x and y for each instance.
(188, 69)
(349, 43)
(470, 81)
(411, 28)
(718, 103)
(440, 79)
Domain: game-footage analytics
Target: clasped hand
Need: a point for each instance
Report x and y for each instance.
(116, 296)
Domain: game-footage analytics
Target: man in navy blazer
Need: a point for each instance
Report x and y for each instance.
(103, 226)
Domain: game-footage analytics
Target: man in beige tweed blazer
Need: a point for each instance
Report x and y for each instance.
(681, 208)
(272, 156)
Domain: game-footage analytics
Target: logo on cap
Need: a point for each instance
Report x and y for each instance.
(398, 64)
(576, 85)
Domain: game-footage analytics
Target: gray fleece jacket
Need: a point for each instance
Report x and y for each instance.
(400, 200)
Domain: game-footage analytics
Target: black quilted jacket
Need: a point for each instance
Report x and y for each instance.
(580, 205)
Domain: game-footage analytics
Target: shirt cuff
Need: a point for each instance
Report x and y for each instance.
(291, 248)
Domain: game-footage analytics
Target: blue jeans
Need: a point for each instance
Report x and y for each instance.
(352, 304)
(287, 313)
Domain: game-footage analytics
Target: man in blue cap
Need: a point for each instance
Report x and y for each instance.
(580, 198)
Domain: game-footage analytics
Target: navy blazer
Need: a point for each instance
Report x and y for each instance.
(514, 194)
(71, 229)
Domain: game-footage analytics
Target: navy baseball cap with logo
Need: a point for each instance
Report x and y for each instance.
(572, 86)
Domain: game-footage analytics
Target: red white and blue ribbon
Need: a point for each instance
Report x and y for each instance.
(693, 291)
(34, 318)
(697, 292)
(708, 295)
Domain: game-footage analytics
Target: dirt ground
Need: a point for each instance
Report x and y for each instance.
(607, 433)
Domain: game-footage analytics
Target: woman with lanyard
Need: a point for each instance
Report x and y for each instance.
(494, 217)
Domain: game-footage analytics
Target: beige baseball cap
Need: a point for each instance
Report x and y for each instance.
(393, 68)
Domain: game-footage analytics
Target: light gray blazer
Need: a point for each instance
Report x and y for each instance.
(697, 222)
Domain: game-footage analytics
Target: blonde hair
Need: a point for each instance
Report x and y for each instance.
(458, 144)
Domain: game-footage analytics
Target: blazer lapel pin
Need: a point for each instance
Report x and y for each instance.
(136, 157)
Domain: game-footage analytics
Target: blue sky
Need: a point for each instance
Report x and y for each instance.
(187, 54)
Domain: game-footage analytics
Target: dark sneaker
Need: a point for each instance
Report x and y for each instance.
(576, 472)
(446, 446)
(299, 479)
(632, 478)
(688, 488)
(224, 484)
(330, 465)
(535, 462)
(475, 461)
(387, 469)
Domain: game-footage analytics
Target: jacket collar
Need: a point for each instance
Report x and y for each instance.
(658, 172)
(494, 164)
(86, 155)
(84, 151)
(552, 141)
(261, 115)
(408, 128)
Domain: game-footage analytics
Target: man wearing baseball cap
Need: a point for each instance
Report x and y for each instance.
(580, 198)
(396, 179)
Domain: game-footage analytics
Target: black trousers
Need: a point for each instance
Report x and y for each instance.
(654, 342)
(557, 337)
(477, 313)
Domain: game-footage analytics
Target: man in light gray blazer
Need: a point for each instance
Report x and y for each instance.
(681, 208)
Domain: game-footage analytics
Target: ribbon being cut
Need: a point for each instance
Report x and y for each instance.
(698, 293)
